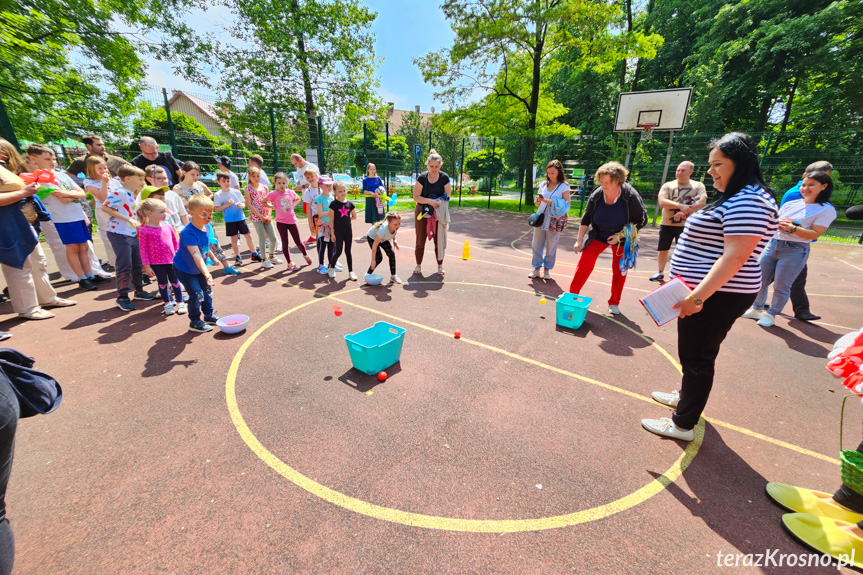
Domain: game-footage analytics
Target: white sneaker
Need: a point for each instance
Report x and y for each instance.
(339, 266)
(614, 310)
(395, 279)
(182, 308)
(267, 264)
(534, 274)
(766, 320)
(666, 428)
(669, 399)
(546, 275)
(169, 309)
(753, 313)
(353, 277)
(331, 272)
(276, 260)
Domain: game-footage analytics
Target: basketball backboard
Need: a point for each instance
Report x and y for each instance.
(666, 109)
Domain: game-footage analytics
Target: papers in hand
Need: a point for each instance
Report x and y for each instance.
(659, 302)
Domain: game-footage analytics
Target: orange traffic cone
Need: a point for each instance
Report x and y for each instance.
(465, 253)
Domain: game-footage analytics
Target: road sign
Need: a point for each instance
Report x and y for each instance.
(417, 150)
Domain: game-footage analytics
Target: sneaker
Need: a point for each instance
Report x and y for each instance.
(669, 399)
(534, 274)
(802, 316)
(753, 313)
(125, 304)
(766, 320)
(323, 270)
(395, 279)
(200, 327)
(108, 267)
(4, 335)
(145, 296)
(185, 298)
(657, 277)
(614, 310)
(211, 319)
(238, 261)
(268, 264)
(292, 267)
(311, 240)
(232, 271)
(275, 260)
(182, 308)
(666, 428)
(257, 258)
(339, 267)
(169, 309)
(353, 276)
(546, 275)
(146, 280)
(59, 302)
(331, 272)
(86, 285)
(100, 279)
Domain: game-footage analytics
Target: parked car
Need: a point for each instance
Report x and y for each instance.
(345, 179)
(401, 181)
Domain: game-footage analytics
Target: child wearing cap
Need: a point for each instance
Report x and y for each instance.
(225, 166)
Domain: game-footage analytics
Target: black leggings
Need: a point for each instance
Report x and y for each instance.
(164, 274)
(387, 247)
(324, 247)
(343, 243)
(295, 233)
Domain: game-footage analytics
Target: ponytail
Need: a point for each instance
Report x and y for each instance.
(388, 218)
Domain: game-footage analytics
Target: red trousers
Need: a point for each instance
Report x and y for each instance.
(586, 263)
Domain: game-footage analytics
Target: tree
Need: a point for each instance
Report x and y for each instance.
(415, 130)
(484, 164)
(324, 46)
(507, 47)
(376, 145)
(194, 143)
(72, 67)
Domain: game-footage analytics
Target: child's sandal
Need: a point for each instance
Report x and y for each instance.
(418, 270)
(292, 267)
(308, 260)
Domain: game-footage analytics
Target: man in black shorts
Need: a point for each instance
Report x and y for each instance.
(678, 199)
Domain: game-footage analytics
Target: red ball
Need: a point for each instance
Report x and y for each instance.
(457, 334)
(338, 313)
(382, 376)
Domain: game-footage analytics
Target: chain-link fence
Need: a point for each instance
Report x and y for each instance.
(485, 172)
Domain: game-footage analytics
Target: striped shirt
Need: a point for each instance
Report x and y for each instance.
(750, 212)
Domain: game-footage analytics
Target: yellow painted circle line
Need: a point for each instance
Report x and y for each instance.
(449, 523)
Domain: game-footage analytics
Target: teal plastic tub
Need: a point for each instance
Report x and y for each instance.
(376, 348)
(572, 309)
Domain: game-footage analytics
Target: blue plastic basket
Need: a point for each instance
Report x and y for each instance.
(572, 309)
(376, 348)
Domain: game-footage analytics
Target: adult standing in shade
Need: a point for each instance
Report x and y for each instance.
(431, 192)
(718, 256)
(610, 208)
(150, 155)
(552, 199)
(679, 199)
(95, 147)
(799, 299)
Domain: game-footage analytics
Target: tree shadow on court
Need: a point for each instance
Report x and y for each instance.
(799, 344)
(421, 286)
(161, 357)
(120, 326)
(728, 496)
(362, 382)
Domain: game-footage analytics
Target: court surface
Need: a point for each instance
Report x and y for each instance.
(515, 449)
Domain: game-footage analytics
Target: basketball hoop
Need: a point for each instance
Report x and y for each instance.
(647, 130)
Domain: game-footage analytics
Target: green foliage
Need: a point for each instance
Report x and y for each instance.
(194, 143)
(484, 164)
(72, 67)
(377, 153)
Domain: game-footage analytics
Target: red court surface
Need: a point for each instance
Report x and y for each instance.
(515, 449)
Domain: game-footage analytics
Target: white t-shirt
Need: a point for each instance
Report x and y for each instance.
(556, 192)
(808, 215)
(301, 173)
(382, 232)
(265, 180)
(309, 197)
(235, 181)
(61, 212)
(175, 205)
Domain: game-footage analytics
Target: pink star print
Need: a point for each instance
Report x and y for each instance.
(343, 211)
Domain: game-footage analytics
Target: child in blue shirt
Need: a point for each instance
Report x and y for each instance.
(192, 268)
(322, 205)
(231, 203)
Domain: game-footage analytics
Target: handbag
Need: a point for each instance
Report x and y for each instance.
(536, 219)
(37, 392)
(557, 223)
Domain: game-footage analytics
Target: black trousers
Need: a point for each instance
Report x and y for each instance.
(388, 248)
(343, 243)
(699, 337)
(799, 299)
(9, 412)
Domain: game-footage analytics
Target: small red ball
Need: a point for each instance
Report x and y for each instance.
(457, 334)
(382, 376)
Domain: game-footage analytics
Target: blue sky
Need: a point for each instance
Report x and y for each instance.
(403, 31)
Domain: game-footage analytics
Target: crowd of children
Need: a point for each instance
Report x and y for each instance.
(152, 232)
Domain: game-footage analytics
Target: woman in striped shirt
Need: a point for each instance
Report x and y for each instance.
(717, 255)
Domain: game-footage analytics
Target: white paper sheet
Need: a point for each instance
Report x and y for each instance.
(659, 302)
